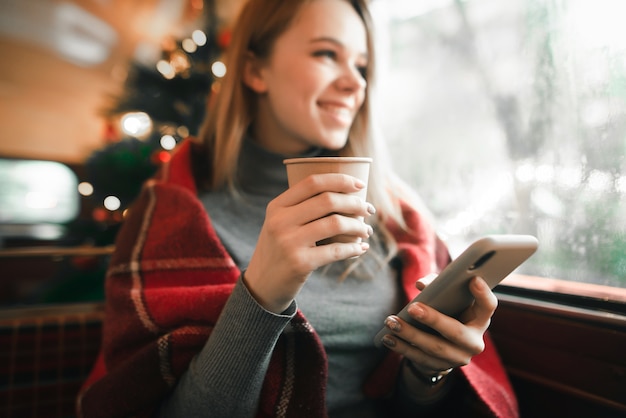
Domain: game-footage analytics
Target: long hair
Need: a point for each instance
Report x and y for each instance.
(259, 24)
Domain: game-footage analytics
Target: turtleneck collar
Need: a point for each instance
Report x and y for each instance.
(261, 172)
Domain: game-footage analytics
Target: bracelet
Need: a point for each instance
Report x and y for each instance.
(431, 380)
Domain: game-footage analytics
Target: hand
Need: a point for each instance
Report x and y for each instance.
(459, 340)
(286, 253)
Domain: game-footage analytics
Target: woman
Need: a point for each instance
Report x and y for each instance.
(240, 313)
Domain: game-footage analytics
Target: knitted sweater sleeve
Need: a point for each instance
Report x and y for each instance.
(226, 377)
(168, 286)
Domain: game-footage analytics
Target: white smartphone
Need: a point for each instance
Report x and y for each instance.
(492, 257)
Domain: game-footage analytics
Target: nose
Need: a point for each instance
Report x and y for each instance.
(351, 79)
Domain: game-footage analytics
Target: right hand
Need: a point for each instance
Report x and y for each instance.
(286, 253)
(457, 342)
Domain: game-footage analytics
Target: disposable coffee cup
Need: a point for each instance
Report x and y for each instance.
(300, 168)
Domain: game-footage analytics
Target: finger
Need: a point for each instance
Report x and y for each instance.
(333, 225)
(425, 281)
(428, 364)
(455, 344)
(318, 183)
(280, 220)
(329, 253)
(484, 306)
(327, 203)
(466, 338)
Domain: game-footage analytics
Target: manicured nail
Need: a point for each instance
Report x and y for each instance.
(392, 324)
(388, 341)
(416, 310)
(359, 183)
(371, 209)
(365, 246)
(370, 231)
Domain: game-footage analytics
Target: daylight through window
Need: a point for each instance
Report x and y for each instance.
(510, 117)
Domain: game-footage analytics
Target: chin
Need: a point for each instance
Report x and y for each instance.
(334, 142)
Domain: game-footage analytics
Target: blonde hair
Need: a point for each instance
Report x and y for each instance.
(259, 24)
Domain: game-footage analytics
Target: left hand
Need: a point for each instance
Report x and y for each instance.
(314, 209)
(459, 340)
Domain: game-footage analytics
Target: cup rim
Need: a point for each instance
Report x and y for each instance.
(305, 160)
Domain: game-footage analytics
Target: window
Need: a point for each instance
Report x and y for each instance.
(510, 117)
(36, 197)
(46, 251)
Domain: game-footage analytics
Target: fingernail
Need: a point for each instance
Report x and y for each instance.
(365, 246)
(370, 231)
(371, 209)
(388, 341)
(359, 183)
(416, 310)
(392, 324)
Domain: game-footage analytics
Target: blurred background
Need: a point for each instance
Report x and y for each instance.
(506, 117)
(94, 94)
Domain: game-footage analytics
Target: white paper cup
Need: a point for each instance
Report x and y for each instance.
(300, 168)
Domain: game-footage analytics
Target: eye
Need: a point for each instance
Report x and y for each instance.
(326, 53)
(362, 69)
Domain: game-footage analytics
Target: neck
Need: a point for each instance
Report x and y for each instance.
(261, 171)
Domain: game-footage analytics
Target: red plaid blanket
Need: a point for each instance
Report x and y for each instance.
(167, 284)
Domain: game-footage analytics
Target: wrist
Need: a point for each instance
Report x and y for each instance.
(259, 293)
(429, 380)
(421, 388)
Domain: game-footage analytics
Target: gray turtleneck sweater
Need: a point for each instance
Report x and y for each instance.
(345, 314)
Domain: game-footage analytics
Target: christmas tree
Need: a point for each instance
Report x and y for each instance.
(160, 105)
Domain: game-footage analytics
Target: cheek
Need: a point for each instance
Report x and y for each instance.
(289, 103)
(310, 80)
(298, 86)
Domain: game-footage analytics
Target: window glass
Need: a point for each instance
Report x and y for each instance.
(37, 192)
(510, 117)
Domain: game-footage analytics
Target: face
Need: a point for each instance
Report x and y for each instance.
(311, 87)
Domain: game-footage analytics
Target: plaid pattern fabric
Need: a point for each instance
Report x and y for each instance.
(45, 355)
(168, 282)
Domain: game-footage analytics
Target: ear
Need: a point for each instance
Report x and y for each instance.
(253, 74)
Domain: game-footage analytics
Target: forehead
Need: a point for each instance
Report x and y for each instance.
(334, 19)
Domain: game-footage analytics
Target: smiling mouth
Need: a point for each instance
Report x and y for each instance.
(340, 113)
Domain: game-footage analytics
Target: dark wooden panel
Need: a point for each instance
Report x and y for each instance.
(563, 361)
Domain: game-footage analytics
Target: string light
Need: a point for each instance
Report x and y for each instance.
(199, 37)
(112, 203)
(179, 61)
(218, 69)
(137, 124)
(168, 142)
(85, 188)
(189, 46)
(182, 131)
(166, 69)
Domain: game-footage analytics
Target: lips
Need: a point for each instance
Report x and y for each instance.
(338, 112)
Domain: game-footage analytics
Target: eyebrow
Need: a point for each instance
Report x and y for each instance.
(336, 42)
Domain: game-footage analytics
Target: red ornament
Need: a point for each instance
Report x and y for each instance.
(161, 157)
(111, 134)
(223, 38)
(118, 216)
(100, 215)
